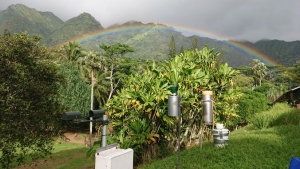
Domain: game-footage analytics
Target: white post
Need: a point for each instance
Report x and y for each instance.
(104, 130)
(92, 107)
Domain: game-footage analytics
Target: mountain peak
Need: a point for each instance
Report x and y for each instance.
(20, 8)
(87, 18)
(14, 6)
(132, 22)
(85, 15)
(82, 24)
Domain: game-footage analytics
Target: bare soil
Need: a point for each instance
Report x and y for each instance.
(78, 138)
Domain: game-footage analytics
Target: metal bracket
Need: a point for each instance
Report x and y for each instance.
(115, 145)
(104, 122)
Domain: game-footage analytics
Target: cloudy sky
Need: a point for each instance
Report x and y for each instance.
(228, 19)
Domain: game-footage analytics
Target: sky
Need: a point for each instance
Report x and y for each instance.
(250, 20)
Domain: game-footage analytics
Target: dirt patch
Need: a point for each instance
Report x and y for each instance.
(61, 160)
(78, 138)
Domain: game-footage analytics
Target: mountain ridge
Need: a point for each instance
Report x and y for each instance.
(82, 24)
(149, 41)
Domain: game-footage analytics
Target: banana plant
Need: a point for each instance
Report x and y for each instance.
(143, 99)
(173, 69)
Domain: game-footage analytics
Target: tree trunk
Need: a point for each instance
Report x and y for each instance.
(92, 106)
(112, 88)
(260, 79)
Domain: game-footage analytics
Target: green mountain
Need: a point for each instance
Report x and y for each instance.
(19, 18)
(80, 25)
(150, 41)
(286, 53)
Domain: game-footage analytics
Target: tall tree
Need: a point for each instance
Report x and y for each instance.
(73, 51)
(91, 62)
(76, 92)
(194, 43)
(113, 52)
(172, 48)
(127, 66)
(29, 99)
(181, 49)
(259, 69)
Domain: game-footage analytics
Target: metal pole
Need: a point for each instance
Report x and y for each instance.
(179, 123)
(104, 131)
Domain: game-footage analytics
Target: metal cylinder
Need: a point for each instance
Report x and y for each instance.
(174, 105)
(207, 107)
(221, 137)
(221, 134)
(104, 132)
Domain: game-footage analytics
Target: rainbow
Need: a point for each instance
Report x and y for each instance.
(235, 44)
(193, 31)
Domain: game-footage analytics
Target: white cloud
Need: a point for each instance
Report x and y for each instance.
(252, 20)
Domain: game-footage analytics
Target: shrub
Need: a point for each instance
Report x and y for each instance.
(279, 114)
(251, 103)
(263, 88)
(261, 120)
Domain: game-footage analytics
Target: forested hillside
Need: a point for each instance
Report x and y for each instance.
(150, 41)
(73, 27)
(18, 18)
(287, 53)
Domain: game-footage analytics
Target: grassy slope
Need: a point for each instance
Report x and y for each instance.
(65, 156)
(270, 147)
(248, 148)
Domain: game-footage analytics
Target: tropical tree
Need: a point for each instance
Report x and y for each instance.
(259, 69)
(89, 64)
(29, 99)
(113, 53)
(127, 66)
(72, 51)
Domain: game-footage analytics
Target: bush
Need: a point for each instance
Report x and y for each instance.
(280, 114)
(262, 89)
(251, 103)
(261, 120)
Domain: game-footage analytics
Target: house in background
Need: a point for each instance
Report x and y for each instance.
(292, 97)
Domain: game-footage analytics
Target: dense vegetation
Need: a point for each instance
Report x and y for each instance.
(139, 110)
(29, 99)
(135, 97)
(38, 84)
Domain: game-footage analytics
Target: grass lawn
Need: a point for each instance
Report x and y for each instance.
(65, 156)
(248, 148)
